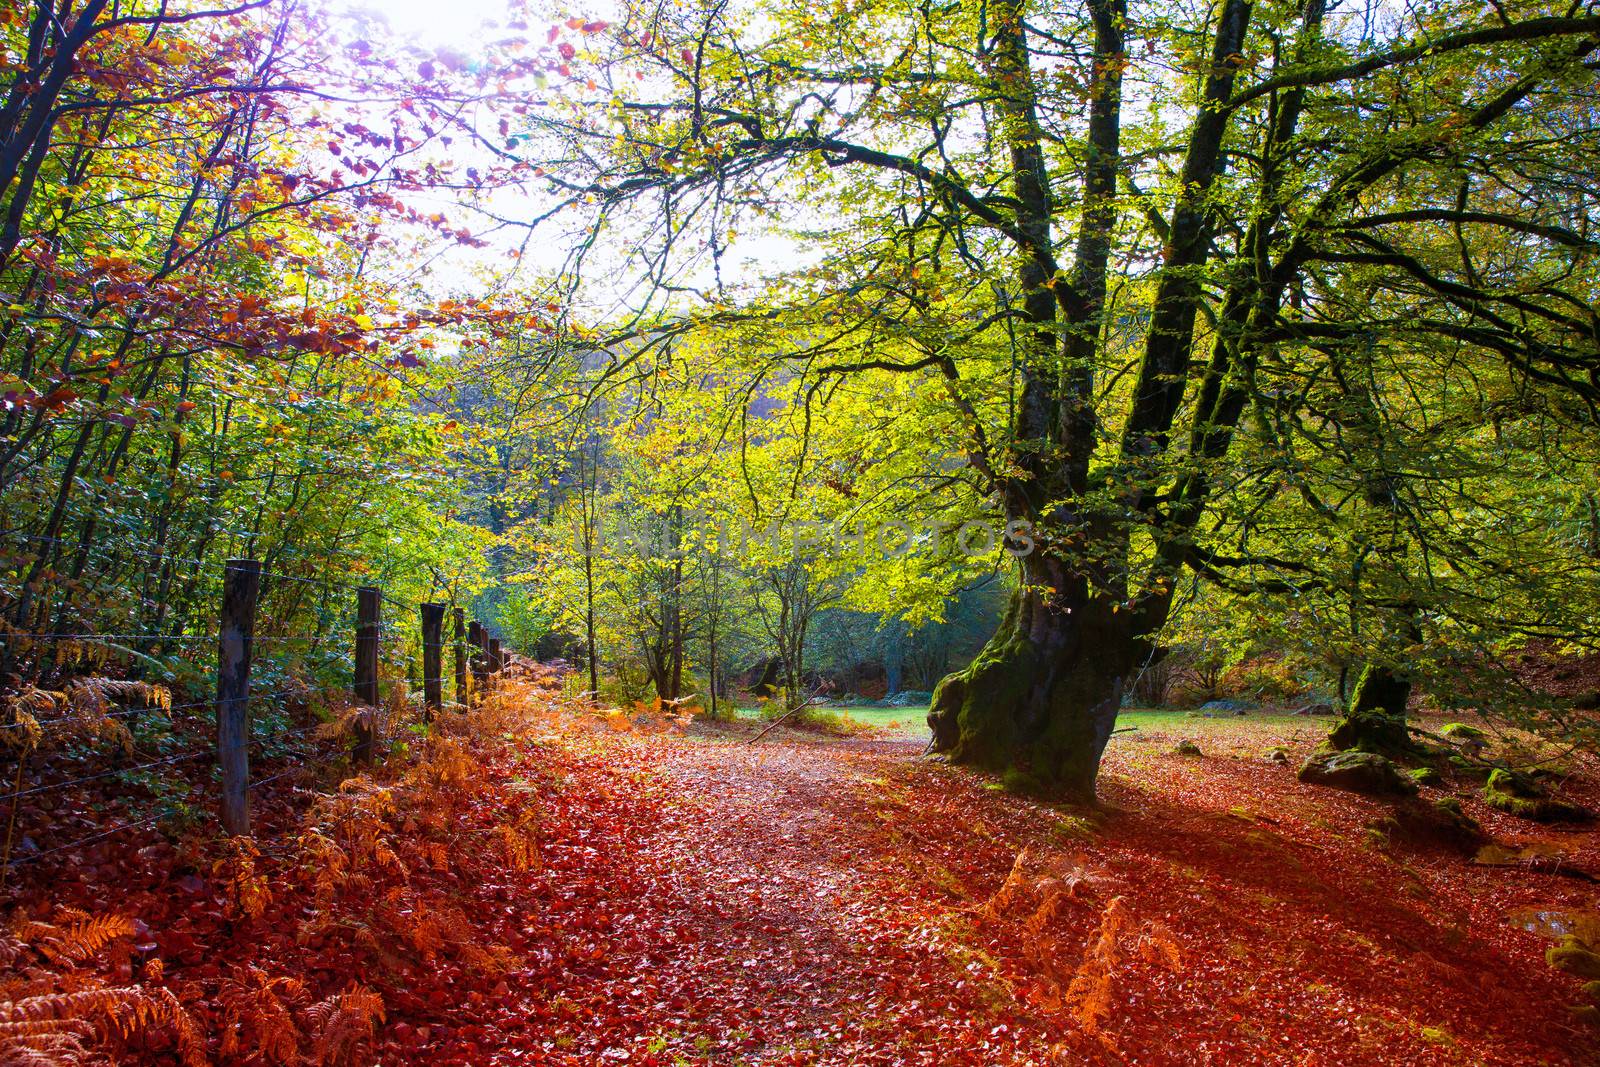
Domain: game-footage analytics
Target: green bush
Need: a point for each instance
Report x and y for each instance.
(523, 620)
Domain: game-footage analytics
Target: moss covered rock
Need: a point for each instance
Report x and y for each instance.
(1358, 772)
(1462, 732)
(1370, 731)
(1463, 767)
(1517, 794)
(1425, 776)
(1187, 748)
(1439, 824)
(1574, 956)
(1458, 825)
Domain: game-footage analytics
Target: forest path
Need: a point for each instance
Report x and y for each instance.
(807, 919)
(701, 900)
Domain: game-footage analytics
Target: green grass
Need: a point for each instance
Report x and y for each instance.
(904, 722)
(1248, 734)
(1250, 729)
(910, 722)
(1186, 721)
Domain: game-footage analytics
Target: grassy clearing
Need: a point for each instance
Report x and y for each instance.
(1140, 725)
(909, 723)
(1225, 732)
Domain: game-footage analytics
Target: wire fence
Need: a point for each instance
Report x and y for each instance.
(374, 634)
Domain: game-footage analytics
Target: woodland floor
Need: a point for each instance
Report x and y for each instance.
(829, 901)
(702, 900)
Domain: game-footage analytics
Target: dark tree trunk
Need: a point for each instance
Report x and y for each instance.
(1375, 720)
(1038, 704)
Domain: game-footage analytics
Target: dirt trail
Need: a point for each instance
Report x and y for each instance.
(726, 903)
(774, 858)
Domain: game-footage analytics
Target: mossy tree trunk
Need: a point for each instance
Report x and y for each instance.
(1038, 704)
(1375, 719)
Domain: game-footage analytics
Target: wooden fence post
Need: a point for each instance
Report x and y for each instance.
(368, 603)
(480, 661)
(497, 656)
(433, 658)
(241, 584)
(461, 656)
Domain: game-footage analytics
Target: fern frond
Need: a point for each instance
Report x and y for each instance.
(22, 730)
(261, 1005)
(342, 1023)
(344, 723)
(249, 895)
(121, 1011)
(519, 840)
(80, 938)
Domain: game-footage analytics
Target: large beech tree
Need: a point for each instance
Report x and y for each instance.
(1112, 234)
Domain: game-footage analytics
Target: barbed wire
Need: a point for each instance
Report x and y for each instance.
(101, 549)
(125, 712)
(259, 782)
(263, 639)
(22, 635)
(201, 562)
(180, 758)
(286, 742)
(80, 842)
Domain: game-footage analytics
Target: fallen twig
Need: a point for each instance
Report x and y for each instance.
(774, 723)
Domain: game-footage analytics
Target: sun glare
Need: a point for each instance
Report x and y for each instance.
(458, 23)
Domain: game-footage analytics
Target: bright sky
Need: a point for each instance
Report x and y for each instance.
(455, 23)
(461, 26)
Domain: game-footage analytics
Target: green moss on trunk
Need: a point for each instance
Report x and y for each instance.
(1375, 720)
(1038, 704)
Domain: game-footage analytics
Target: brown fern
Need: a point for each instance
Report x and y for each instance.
(249, 895)
(62, 1024)
(20, 727)
(519, 841)
(260, 1007)
(1089, 997)
(342, 1023)
(76, 937)
(91, 700)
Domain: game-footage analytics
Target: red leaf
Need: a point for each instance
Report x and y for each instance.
(566, 50)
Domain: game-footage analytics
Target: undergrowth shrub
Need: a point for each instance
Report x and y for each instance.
(1269, 679)
(1033, 907)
